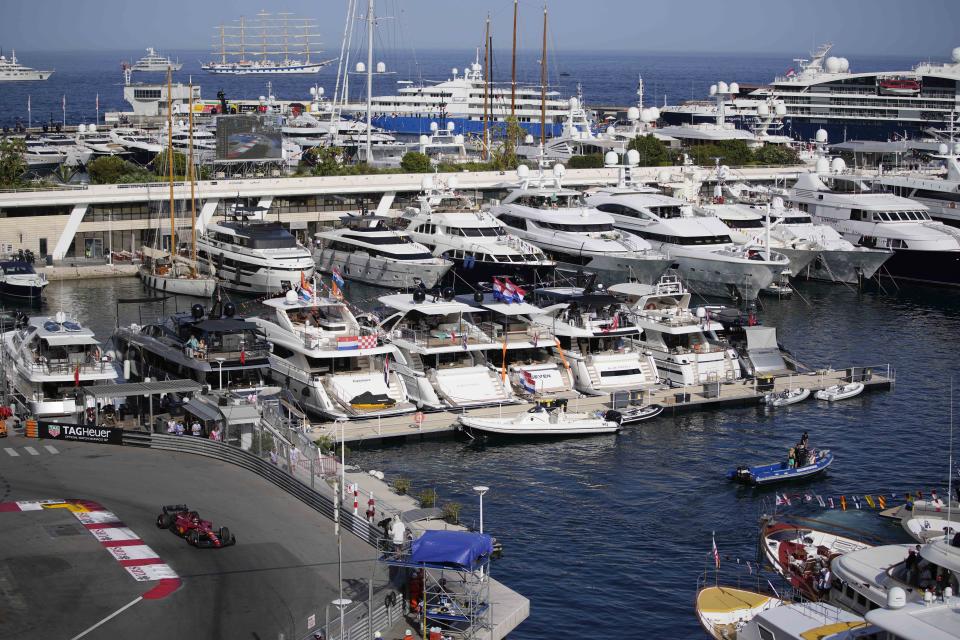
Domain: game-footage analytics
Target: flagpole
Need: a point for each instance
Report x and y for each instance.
(98, 110)
(29, 114)
(64, 103)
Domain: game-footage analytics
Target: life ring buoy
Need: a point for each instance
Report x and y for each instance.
(650, 306)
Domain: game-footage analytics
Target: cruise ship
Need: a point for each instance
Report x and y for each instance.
(459, 100)
(13, 71)
(823, 93)
(154, 62)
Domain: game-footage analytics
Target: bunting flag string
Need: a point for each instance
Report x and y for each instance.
(873, 500)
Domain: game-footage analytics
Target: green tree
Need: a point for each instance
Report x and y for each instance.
(504, 157)
(653, 153)
(161, 165)
(415, 162)
(12, 164)
(776, 154)
(108, 169)
(591, 161)
(730, 152)
(327, 161)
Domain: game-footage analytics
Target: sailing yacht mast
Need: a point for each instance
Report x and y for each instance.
(513, 65)
(543, 82)
(369, 78)
(173, 230)
(486, 89)
(191, 177)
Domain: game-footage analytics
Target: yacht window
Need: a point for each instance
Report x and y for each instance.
(857, 214)
(576, 228)
(370, 239)
(898, 244)
(513, 221)
(667, 211)
(765, 634)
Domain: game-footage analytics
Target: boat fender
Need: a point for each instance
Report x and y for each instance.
(613, 416)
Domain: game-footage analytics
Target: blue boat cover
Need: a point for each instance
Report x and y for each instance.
(452, 548)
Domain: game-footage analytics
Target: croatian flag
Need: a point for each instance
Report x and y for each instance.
(499, 289)
(337, 278)
(346, 343)
(516, 292)
(527, 381)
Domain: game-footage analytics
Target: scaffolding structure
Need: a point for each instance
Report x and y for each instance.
(453, 599)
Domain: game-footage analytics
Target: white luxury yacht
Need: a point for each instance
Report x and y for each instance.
(452, 226)
(940, 194)
(445, 357)
(11, 70)
(709, 261)
(683, 343)
(75, 154)
(248, 254)
(923, 250)
(595, 335)
(50, 358)
(574, 233)
(40, 156)
(142, 146)
(367, 249)
(154, 62)
(335, 367)
(99, 142)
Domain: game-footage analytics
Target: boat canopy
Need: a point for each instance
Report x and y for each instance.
(458, 549)
(67, 340)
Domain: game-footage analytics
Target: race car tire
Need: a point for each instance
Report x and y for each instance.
(164, 521)
(193, 538)
(224, 536)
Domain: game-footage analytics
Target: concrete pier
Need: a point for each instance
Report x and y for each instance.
(673, 399)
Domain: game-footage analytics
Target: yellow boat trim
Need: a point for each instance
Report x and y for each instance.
(820, 633)
(728, 600)
(372, 406)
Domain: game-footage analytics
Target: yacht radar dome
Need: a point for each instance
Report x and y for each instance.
(424, 139)
(361, 67)
(633, 113)
(92, 128)
(821, 135)
(654, 114)
(838, 165)
(832, 64)
(434, 126)
(381, 67)
(81, 128)
(956, 147)
(451, 126)
(528, 139)
(611, 130)
(455, 71)
(943, 149)
(523, 171)
(780, 109)
(559, 170)
(763, 109)
(574, 103)
(611, 158)
(777, 203)
(823, 166)
(713, 89)
(896, 598)
(633, 157)
(722, 87)
(844, 65)
(734, 87)
(290, 297)
(956, 55)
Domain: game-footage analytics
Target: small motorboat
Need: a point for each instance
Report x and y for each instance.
(800, 553)
(818, 461)
(634, 415)
(546, 419)
(369, 400)
(723, 611)
(840, 391)
(786, 397)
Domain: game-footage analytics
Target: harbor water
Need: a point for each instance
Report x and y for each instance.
(607, 533)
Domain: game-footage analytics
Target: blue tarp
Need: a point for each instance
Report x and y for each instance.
(452, 548)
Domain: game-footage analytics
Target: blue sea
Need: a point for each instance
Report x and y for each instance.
(605, 78)
(607, 535)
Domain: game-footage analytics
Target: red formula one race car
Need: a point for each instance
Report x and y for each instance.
(187, 524)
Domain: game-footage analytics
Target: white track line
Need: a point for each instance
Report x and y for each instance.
(12, 452)
(108, 618)
(52, 449)
(32, 451)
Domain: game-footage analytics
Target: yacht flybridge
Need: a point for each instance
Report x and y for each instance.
(369, 250)
(335, 367)
(51, 358)
(445, 357)
(453, 227)
(556, 219)
(708, 260)
(683, 343)
(923, 250)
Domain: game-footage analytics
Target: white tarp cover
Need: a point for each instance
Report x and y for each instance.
(761, 338)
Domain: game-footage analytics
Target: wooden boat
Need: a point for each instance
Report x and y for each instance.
(787, 397)
(724, 610)
(545, 420)
(634, 415)
(800, 553)
(840, 391)
(782, 471)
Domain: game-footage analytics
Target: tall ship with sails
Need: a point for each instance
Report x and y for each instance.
(248, 48)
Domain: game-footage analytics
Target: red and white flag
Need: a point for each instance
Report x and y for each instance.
(716, 553)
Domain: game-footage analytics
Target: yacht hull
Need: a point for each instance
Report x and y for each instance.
(846, 266)
(727, 279)
(362, 267)
(799, 258)
(616, 269)
(21, 291)
(484, 272)
(933, 267)
(195, 287)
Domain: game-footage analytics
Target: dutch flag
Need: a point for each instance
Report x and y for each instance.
(515, 290)
(527, 381)
(337, 278)
(499, 290)
(345, 343)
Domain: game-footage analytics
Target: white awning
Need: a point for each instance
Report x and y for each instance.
(67, 339)
(761, 338)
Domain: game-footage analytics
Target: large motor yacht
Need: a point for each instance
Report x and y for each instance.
(923, 250)
(250, 255)
(445, 357)
(367, 249)
(154, 62)
(575, 234)
(708, 260)
(11, 70)
(940, 194)
(335, 367)
(219, 349)
(452, 226)
(595, 339)
(684, 344)
(50, 359)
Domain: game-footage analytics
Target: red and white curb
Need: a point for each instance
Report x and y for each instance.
(126, 547)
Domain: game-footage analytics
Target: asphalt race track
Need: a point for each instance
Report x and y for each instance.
(56, 580)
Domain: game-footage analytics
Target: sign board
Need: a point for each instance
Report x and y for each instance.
(79, 432)
(246, 138)
(312, 621)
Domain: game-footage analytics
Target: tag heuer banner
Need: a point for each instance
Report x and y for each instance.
(79, 433)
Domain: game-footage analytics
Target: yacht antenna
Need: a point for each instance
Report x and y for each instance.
(513, 64)
(173, 230)
(543, 82)
(486, 89)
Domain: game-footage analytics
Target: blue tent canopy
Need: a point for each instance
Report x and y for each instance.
(459, 549)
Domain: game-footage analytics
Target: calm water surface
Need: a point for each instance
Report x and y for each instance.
(597, 527)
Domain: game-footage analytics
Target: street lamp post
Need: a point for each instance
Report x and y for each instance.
(481, 490)
(342, 603)
(220, 363)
